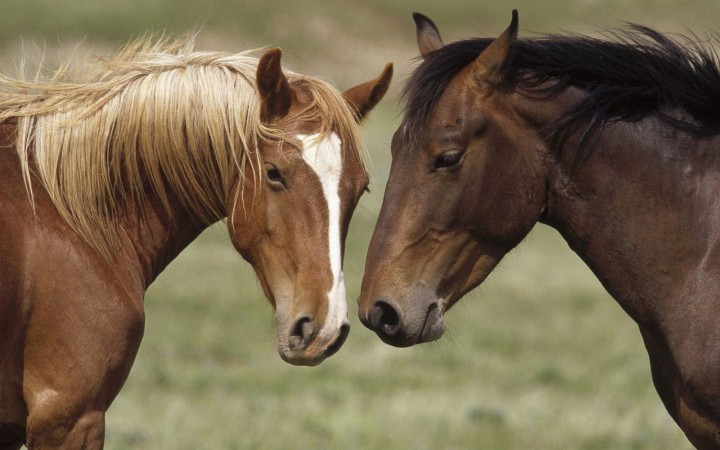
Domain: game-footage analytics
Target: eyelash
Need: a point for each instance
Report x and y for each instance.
(274, 175)
(448, 159)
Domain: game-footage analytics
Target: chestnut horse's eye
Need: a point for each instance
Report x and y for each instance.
(448, 159)
(274, 176)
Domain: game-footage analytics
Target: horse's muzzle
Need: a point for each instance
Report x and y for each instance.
(423, 323)
(303, 345)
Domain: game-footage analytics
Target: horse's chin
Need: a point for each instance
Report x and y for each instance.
(300, 358)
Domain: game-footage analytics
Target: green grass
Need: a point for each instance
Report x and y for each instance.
(538, 357)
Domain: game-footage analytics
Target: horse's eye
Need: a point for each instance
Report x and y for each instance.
(274, 176)
(448, 159)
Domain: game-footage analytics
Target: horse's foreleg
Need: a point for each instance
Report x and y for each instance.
(66, 409)
(75, 368)
(50, 427)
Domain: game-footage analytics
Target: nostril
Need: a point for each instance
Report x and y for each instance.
(301, 333)
(385, 318)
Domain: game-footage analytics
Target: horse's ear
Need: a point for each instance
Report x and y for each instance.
(364, 97)
(428, 36)
(491, 64)
(276, 95)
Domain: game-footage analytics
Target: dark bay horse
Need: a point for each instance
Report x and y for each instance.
(105, 178)
(613, 142)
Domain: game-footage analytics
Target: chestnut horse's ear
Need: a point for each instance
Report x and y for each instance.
(364, 97)
(276, 95)
(490, 65)
(428, 36)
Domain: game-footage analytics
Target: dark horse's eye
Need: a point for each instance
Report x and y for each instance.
(448, 159)
(273, 175)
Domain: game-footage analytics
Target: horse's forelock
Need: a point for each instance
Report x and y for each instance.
(334, 113)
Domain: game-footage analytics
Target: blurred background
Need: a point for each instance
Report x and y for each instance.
(538, 357)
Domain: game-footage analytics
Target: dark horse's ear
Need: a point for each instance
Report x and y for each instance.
(364, 97)
(491, 64)
(428, 36)
(276, 95)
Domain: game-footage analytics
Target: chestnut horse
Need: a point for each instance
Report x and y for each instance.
(613, 142)
(107, 177)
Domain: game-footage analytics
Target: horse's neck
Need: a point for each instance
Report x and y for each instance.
(157, 236)
(642, 212)
(150, 234)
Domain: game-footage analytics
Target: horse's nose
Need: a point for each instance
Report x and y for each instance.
(385, 321)
(301, 333)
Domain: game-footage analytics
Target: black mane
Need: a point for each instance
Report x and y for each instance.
(638, 72)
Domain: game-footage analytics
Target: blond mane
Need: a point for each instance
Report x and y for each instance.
(159, 117)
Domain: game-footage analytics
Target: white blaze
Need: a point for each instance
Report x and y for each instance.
(325, 158)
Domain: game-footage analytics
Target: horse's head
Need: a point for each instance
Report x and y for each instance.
(465, 186)
(289, 217)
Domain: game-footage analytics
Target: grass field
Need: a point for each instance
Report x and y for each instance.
(538, 357)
